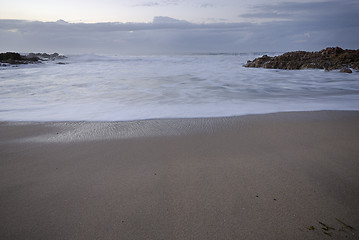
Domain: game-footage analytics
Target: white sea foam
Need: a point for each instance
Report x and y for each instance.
(116, 88)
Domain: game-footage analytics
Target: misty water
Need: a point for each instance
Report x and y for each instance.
(116, 88)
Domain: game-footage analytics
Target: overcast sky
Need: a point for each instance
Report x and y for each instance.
(176, 26)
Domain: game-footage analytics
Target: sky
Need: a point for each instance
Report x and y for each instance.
(177, 26)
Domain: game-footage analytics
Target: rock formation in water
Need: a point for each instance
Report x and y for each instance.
(45, 56)
(16, 58)
(328, 59)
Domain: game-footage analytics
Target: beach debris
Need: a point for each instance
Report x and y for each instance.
(328, 59)
(326, 227)
(311, 228)
(345, 225)
(331, 231)
(327, 233)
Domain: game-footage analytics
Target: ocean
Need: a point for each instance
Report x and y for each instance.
(121, 88)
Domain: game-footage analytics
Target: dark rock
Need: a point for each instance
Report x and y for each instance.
(345, 70)
(10, 56)
(328, 59)
(46, 57)
(16, 58)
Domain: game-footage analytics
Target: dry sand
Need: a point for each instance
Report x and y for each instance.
(274, 176)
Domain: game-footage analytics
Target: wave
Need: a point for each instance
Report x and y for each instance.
(95, 87)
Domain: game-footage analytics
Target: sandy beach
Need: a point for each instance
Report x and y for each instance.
(272, 176)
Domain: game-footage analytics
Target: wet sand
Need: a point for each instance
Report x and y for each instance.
(273, 176)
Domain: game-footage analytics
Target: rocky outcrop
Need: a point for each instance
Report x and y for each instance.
(16, 58)
(346, 70)
(328, 59)
(45, 56)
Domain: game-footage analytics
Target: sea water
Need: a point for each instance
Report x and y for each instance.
(119, 88)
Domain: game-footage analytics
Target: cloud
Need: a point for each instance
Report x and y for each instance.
(171, 2)
(61, 21)
(206, 5)
(148, 4)
(158, 3)
(266, 15)
(342, 13)
(310, 25)
(167, 20)
(163, 35)
(333, 23)
(14, 30)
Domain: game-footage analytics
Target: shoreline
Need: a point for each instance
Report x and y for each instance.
(70, 131)
(268, 176)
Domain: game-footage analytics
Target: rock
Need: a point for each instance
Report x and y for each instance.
(46, 57)
(345, 70)
(328, 59)
(8, 56)
(16, 58)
